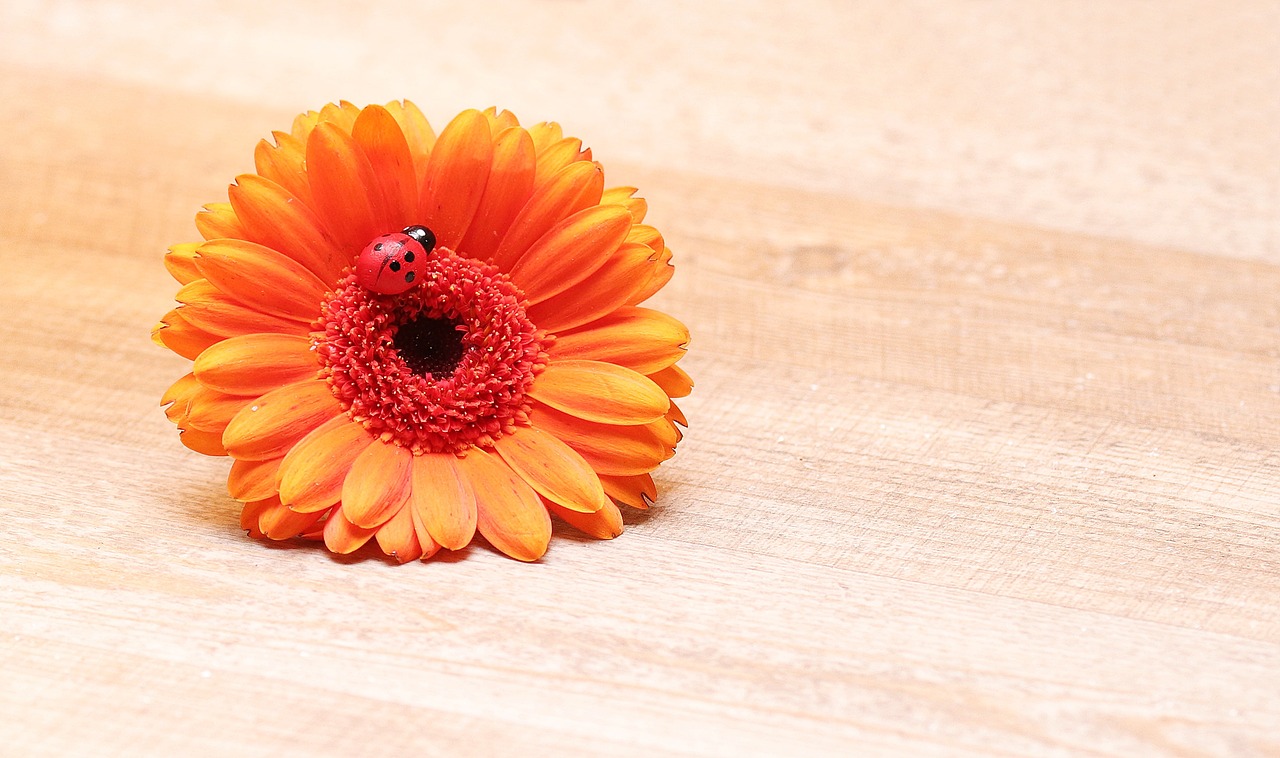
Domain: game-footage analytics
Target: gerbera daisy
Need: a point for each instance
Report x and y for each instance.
(410, 338)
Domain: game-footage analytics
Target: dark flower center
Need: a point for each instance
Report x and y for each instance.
(430, 345)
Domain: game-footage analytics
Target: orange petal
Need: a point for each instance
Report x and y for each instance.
(217, 221)
(347, 194)
(273, 217)
(429, 546)
(604, 524)
(211, 411)
(206, 443)
(285, 163)
(640, 339)
(509, 513)
(659, 274)
(178, 334)
(253, 364)
(180, 262)
(209, 309)
(342, 115)
(624, 196)
(377, 485)
(271, 425)
(505, 193)
(601, 392)
(443, 499)
(500, 121)
(608, 289)
(556, 156)
(673, 381)
(261, 278)
(636, 491)
(343, 537)
(249, 516)
(397, 537)
(570, 251)
(553, 469)
(417, 132)
(676, 415)
(278, 522)
(253, 480)
(646, 235)
(313, 472)
(384, 144)
(303, 123)
(456, 175)
(574, 188)
(613, 450)
(545, 134)
(178, 398)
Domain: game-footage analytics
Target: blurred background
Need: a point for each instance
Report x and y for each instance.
(1157, 122)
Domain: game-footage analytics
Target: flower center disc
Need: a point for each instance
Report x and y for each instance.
(439, 368)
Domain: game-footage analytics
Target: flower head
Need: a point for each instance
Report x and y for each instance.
(485, 369)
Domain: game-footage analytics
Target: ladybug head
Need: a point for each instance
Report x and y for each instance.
(422, 235)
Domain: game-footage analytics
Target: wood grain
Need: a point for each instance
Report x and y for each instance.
(969, 473)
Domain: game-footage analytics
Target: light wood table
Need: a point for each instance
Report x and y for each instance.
(983, 449)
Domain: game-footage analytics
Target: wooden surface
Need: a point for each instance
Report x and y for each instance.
(983, 455)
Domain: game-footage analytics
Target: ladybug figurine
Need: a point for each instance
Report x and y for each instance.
(393, 263)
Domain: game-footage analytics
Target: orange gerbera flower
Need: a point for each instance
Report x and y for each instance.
(484, 370)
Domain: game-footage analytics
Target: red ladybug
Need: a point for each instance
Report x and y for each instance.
(393, 263)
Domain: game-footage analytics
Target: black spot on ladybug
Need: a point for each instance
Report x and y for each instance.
(395, 265)
(409, 276)
(378, 246)
(408, 256)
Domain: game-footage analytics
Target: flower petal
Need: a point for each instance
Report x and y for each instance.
(604, 524)
(557, 155)
(397, 538)
(343, 537)
(217, 221)
(206, 443)
(636, 491)
(211, 411)
(601, 392)
(417, 132)
(507, 190)
(443, 499)
(571, 251)
(250, 514)
(177, 333)
(347, 195)
(285, 163)
(674, 414)
(500, 121)
(253, 480)
(553, 469)
(178, 398)
(545, 134)
(640, 339)
(659, 274)
(456, 176)
(180, 262)
(377, 485)
(609, 288)
(574, 188)
(313, 472)
(253, 364)
(279, 522)
(509, 513)
(625, 196)
(273, 217)
(384, 144)
(274, 423)
(209, 309)
(261, 278)
(673, 380)
(610, 449)
(429, 546)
